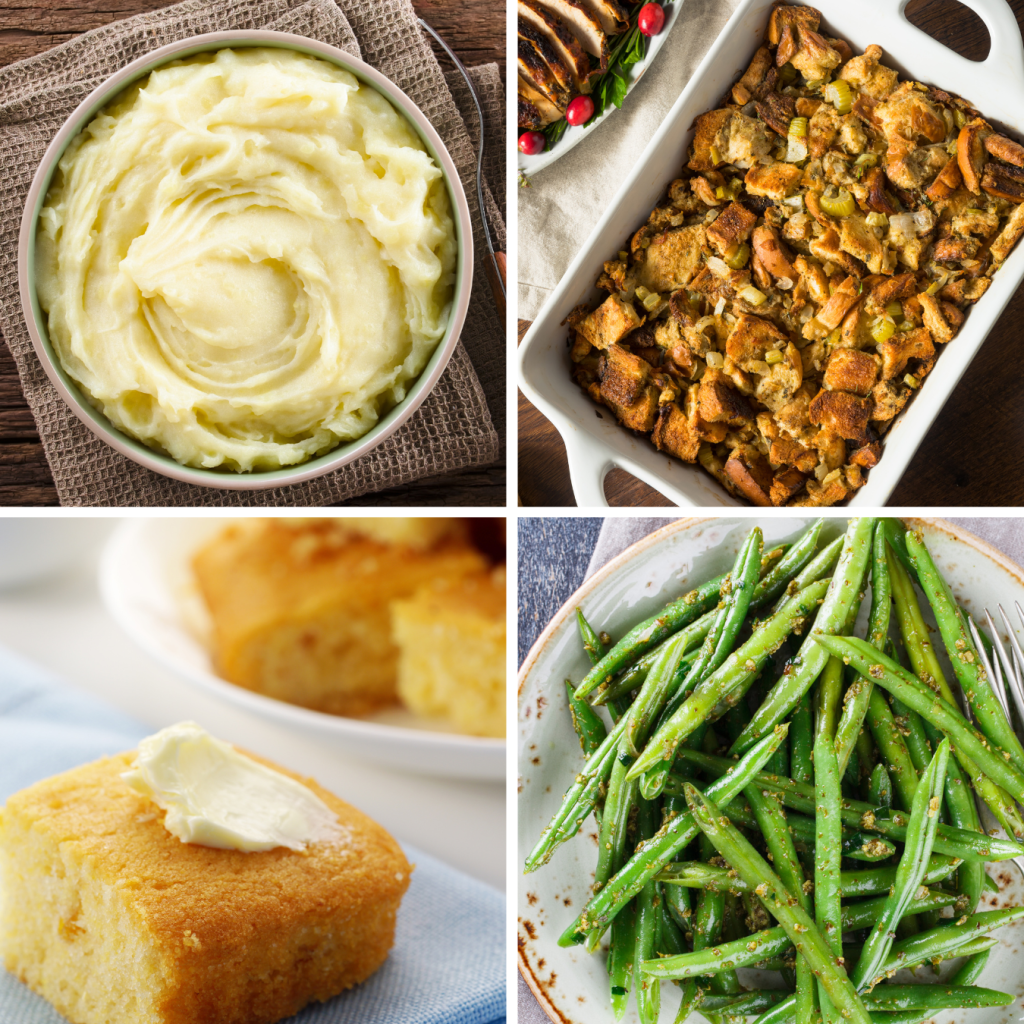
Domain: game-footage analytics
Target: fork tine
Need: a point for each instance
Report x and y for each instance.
(1007, 670)
(992, 672)
(1016, 686)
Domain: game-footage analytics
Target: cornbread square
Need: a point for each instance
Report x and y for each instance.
(302, 615)
(112, 919)
(416, 532)
(452, 641)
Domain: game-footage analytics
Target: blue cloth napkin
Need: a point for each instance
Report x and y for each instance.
(448, 963)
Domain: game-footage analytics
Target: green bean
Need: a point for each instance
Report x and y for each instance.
(717, 646)
(611, 842)
(648, 990)
(676, 897)
(880, 789)
(783, 1012)
(746, 1004)
(949, 936)
(955, 842)
(828, 825)
(891, 745)
(707, 929)
(971, 970)
(673, 836)
(588, 726)
(932, 709)
(934, 997)
(692, 999)
(632, 678)
(620, 958)
(739, 667)
(820, 567)
(578, 801)
(924, 817)
(792, 562)
(595, 647)
(963, 655)
(651, 632)
(771, 942)
(771, 819)
(798, 924)
(670, 938)
(801, 741)
(842, 598)
(624, 685)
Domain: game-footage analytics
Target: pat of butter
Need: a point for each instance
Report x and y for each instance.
(215, 796)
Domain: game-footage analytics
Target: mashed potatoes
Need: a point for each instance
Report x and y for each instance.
(246, 259)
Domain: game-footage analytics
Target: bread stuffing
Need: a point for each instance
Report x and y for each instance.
(799, 280)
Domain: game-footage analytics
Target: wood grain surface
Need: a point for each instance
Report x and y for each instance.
(474, 29)
(969, 455)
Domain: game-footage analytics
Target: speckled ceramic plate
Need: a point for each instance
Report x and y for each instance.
(571, 985)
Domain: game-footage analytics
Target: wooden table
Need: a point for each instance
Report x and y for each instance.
(475, 30)
(969, 455)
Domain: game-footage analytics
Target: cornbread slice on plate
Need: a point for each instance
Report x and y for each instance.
(113, 919)
(301, 614)
(451, 635)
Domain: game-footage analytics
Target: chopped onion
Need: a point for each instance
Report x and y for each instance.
(758, 366)
(715, 359)
(903, 224)
(720, 305)
(704, 323)
(806, 313)
(752, 295)
(820, 472)
(797, 202)
(924, 220)
(784, 283)
(718, 266)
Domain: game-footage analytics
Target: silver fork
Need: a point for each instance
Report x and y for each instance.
(1001, 672)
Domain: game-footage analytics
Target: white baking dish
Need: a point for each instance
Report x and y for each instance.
(594, 442)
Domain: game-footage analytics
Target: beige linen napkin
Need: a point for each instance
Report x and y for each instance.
(453, 429)
(565, 200)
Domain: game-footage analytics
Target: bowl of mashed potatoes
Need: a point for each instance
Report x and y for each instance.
(245, 259)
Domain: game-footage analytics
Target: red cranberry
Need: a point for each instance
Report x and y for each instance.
(532, 143)
(651, 19)
(580, 110)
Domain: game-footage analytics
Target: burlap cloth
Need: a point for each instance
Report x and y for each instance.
(566, 199)
(462, 421)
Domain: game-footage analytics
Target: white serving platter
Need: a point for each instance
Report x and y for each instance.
(594, 442)
(575, 134)
(571, 985)
(147, 585)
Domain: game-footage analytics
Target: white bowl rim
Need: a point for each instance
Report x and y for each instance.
(657, 536)
(348, 452)
(337, 725)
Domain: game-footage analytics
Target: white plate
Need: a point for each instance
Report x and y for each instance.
(577, 133)
(571, 985)
(147, 585)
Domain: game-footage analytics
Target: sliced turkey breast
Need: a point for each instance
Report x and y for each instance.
(547, 112)
(610, 13)
(559, 69)
(561, 40)
(583, 25)
(533, 68)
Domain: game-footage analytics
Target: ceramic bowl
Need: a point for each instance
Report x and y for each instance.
(36, 319)
(570, 984)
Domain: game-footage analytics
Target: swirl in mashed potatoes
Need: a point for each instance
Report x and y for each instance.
(246, 259)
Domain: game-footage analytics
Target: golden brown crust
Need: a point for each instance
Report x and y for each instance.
(311, 625)
(877, 211)
(243, 938)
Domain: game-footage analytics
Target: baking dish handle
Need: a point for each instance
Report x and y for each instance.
(589, 464)
(1006, 54)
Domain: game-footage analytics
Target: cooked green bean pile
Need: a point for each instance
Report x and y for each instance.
(777, 793)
